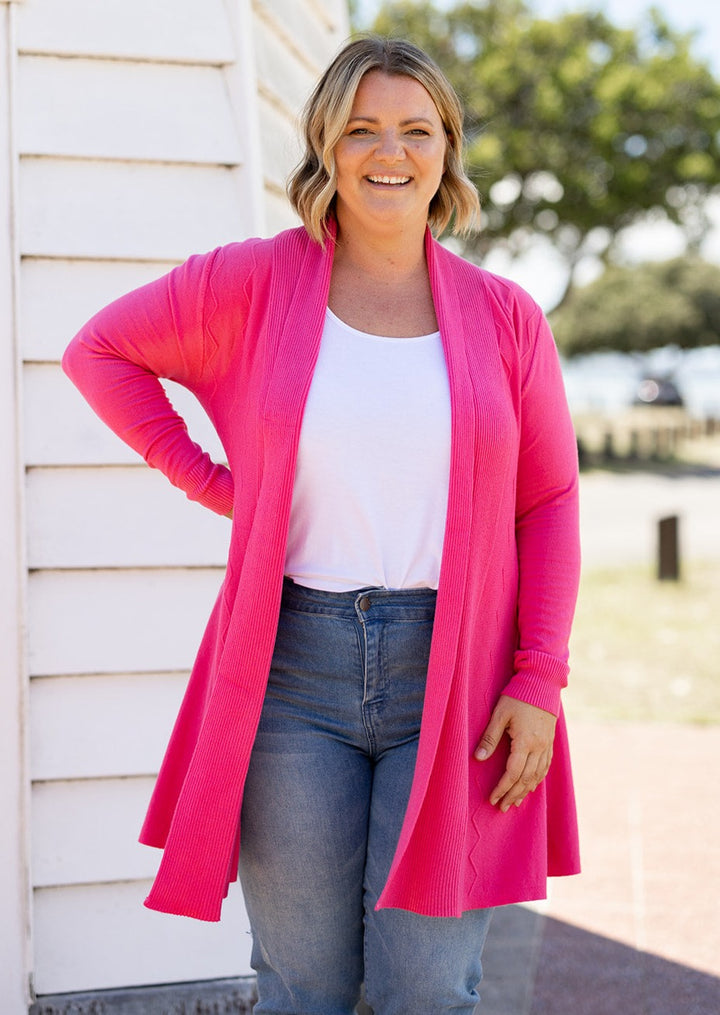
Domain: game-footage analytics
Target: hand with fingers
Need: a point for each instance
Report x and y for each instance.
(531, 731)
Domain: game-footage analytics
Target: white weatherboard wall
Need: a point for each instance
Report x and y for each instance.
(132, 134)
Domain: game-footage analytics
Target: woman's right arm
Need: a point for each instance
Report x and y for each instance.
(116, 361)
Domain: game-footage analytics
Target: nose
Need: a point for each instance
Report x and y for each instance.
(389, 147)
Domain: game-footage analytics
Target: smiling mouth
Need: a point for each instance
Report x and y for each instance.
(392, 180)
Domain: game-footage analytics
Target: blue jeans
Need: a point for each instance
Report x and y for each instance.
(326, 792)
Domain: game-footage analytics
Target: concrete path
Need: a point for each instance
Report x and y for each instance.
(619, 516)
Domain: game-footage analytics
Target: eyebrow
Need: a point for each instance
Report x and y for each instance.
(403, 123)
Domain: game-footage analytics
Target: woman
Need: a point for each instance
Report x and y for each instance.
(378, 688)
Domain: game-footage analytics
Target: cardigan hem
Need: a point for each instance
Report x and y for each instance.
(208, 914)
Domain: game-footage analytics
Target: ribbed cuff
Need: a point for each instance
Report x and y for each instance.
(213, 489)
(538, 679)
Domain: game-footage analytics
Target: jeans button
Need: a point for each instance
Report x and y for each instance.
(364, 603)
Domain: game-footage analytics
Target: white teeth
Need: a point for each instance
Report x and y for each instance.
(389, 179)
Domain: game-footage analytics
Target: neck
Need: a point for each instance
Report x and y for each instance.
(396, 254)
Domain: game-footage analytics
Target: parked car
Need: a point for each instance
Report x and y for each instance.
(658, 391)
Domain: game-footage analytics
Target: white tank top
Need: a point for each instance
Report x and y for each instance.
(370, 494)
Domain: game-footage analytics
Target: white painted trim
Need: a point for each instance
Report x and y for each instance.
(241, 76)
(15, 894)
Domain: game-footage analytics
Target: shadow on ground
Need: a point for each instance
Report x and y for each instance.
(536, 965)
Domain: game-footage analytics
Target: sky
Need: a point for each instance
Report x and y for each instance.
(684, 15)
(701, 16)
(538, 272)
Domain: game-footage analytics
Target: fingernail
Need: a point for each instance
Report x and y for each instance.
(481, 754)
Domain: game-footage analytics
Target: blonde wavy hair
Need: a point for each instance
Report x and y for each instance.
(311, 187)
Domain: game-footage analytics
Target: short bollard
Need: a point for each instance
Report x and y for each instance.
(668, 549)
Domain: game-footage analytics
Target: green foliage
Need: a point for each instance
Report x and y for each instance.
(637, 309)
(575, 128)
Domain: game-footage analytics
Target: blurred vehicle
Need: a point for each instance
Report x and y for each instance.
(658, 391)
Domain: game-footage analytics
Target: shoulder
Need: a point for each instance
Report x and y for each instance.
(508, 299)
(254, 259)
(516, 317)
(260, 250)
(509, 296)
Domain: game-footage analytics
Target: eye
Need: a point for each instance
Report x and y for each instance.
(419, 132)
(358, 132)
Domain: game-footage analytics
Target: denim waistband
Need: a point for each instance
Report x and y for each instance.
(417, 604)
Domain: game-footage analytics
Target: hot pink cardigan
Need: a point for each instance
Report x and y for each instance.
(241, 327)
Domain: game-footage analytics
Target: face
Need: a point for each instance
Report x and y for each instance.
(391, 156)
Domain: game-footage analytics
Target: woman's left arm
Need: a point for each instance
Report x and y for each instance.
(548, 546)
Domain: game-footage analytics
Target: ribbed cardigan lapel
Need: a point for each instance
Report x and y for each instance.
(428, 862)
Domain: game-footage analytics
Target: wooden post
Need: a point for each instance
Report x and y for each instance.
(609, 446)
(668, 550)
(634, 449)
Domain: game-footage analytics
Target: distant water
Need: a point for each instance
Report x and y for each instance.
(608, 382)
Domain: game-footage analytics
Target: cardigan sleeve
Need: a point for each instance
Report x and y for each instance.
(546, 525)
(117, 358)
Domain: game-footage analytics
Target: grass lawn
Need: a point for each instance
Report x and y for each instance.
(645, 649)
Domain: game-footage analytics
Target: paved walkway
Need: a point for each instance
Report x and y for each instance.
(619, 516)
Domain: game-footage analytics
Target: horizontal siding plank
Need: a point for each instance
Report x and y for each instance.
(115, 110)
(101, 726)
(297, 22)
(118, 517)
(278, 139)
(175, 30)
(86, 831)
(331, 14)
(297, 80)
(117, 621)
(58, 296)
(74, 208)
(61, 429)
(278, 213)
(95, 937)
(335, 14)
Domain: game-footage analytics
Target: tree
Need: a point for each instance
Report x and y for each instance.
(647, 307)
(576, 128)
